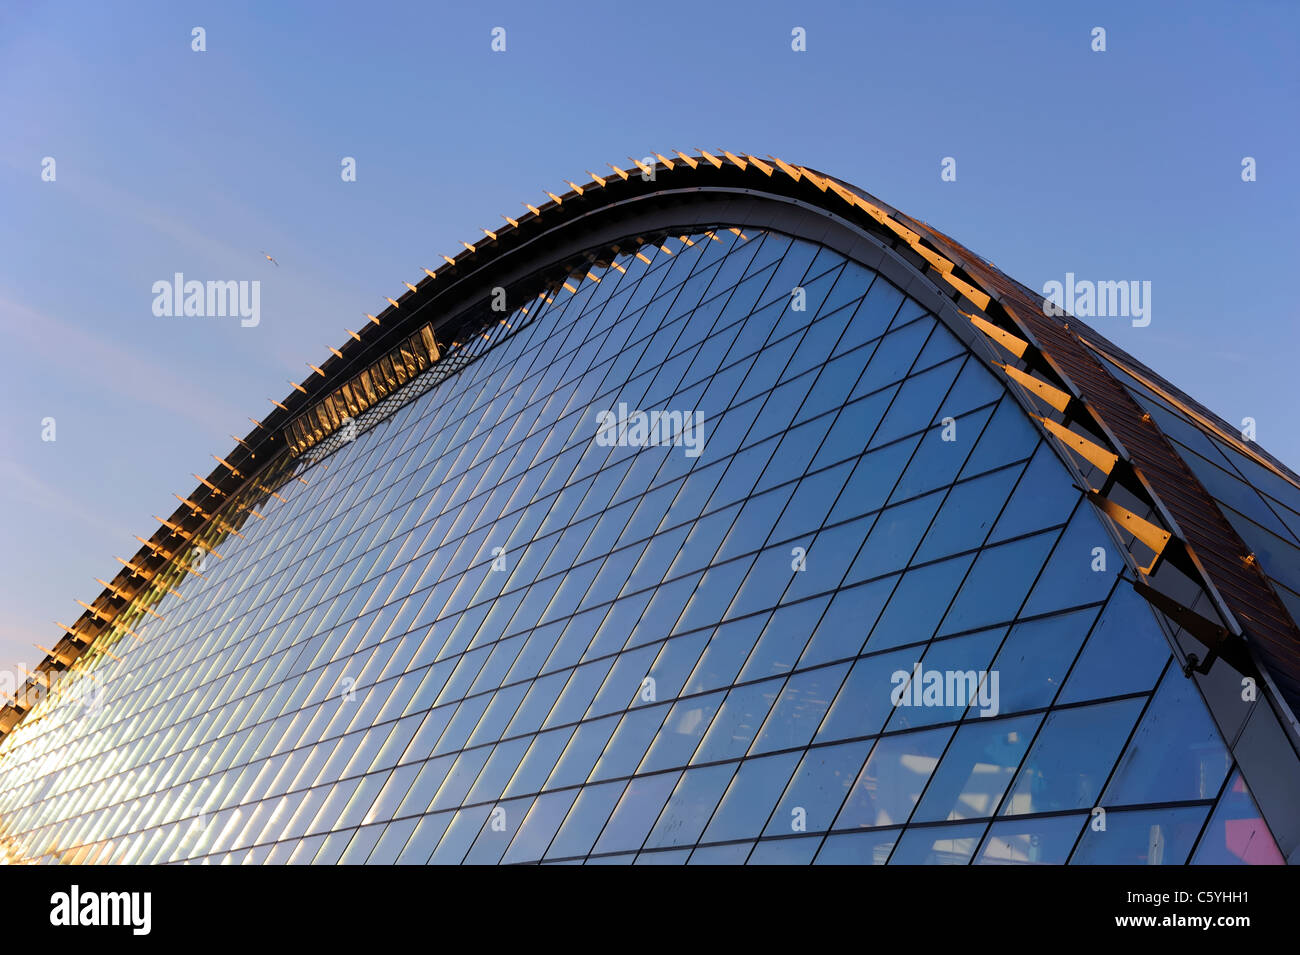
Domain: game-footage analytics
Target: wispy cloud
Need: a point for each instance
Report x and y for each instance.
(22, 487)
(110, 366)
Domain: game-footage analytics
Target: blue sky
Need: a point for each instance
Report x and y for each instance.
(1117, 165)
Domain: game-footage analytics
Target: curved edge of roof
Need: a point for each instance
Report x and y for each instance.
(1058, 355)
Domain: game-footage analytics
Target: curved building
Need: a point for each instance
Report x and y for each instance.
(711, 511)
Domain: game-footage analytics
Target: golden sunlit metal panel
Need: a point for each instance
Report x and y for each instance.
(1054, 397)
(1007, 341)
(980, 300)
(1091, 452)
(1154, 537)
(791, 171)
(934, 258)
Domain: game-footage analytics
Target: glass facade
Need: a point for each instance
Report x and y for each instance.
(852, 613)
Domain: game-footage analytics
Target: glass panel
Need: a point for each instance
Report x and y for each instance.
(849, 618)
(938, 459)
(636, 812)
(953, 675)
(1036, 656)
(690, 806)
(460, 835)
(1176, 753)
(918, 603)
(676, 659)
(817, 789)
(863, 703)
(725, 655)
(1009, 436)
(1044, 497)
(681, 732)
(543, 752)
(785, 851)
(811, 502)
(976, 769)
(783, 640)
(500, 828)
(893, 778)
(894, 538)
(672, 857)
(917, 401)
(1071, 758)
(738, 721)
(1126, 631)
(799, 709)
(1069, 579)
(998, 583)
(580, 755)
(1149, 837)
(967, 515)
(733, 854)
(858, 848)
(1236, 835)
(849, 436)
(539, 827)
(1031, 841)
(946, 845)
(749, 799)
(582, 825)
(628, 745)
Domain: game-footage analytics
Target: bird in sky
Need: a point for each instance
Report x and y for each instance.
(269, 259)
